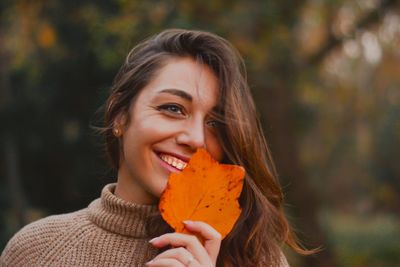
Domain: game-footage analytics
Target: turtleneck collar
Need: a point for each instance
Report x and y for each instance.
(119, 216)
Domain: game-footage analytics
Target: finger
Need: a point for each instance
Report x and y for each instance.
(212, 238)
(180, 254)
(190, 242)
(165, 263)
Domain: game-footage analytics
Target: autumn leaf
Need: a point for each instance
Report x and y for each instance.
(204, 191)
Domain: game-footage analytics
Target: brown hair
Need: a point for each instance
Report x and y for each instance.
(262, 227)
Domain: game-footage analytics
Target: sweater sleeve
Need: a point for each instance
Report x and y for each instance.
(22, 247)
(27, 246)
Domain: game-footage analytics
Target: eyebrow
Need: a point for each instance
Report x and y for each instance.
(179, 93)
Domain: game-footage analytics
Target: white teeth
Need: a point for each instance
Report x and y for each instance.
(177, 163)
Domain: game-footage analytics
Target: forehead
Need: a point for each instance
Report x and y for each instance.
(185, 74)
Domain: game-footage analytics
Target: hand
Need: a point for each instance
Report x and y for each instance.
(187, 249)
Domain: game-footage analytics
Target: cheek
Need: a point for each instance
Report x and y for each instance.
(147, 133)
(136, 138)
(214, 148)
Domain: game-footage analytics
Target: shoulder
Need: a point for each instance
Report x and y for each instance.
(279, 260)
(284, 262)
(47, 227)
(36, 238)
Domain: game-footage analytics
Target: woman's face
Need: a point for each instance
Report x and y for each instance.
(169, 120)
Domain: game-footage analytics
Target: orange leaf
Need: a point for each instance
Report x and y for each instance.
(204, 191)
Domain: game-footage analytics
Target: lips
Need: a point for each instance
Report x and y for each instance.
(173, 161)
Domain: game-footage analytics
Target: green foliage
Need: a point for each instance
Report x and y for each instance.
(366, 241)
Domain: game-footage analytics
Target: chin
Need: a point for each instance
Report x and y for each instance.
(158, 192)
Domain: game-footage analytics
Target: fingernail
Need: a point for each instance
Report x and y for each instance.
(154, 239)
(187, 222)
(149, 262)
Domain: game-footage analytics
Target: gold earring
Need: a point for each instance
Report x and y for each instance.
(117, 132)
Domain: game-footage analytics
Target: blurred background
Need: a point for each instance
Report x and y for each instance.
(325, 76)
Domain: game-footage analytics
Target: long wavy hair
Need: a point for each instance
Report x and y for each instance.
(262, 228)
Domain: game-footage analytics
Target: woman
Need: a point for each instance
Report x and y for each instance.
(177, 91)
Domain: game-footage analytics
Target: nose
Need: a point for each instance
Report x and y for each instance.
(193, 135)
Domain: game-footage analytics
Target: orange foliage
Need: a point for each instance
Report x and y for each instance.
(46, 36)
(204, 191)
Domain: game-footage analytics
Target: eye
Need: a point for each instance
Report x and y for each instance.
(213, 124)
(172, 108)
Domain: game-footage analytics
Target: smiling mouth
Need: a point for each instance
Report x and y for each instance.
(173, 161)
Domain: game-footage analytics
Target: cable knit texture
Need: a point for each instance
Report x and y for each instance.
(110, 232)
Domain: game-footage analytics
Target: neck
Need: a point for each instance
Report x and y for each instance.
(130, 191)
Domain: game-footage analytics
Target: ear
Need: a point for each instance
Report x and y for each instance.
(121, 122)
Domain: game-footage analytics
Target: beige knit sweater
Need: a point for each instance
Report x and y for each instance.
(109, 232)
